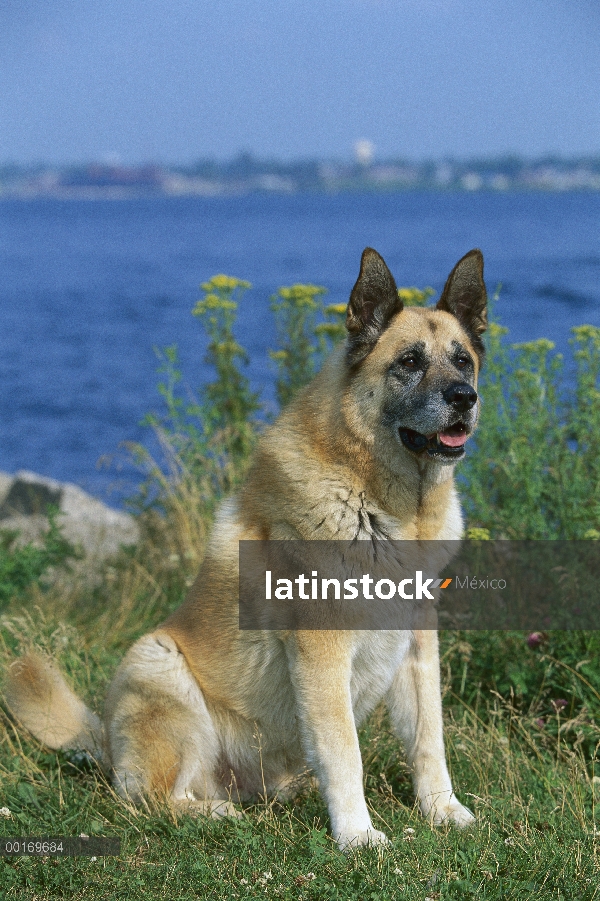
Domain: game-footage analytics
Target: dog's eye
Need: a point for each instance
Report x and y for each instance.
(462, 361)
(409, 362)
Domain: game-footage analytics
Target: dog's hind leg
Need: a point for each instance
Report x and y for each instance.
(162, 738)
(415, 706)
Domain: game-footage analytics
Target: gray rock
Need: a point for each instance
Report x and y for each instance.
(30, 495)
(85, 521)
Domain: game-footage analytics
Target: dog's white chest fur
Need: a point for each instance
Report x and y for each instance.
(377, 656)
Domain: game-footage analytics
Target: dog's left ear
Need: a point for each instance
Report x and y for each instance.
(373, 302)
(464, 296)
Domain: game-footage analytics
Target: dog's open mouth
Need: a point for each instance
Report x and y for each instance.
(449, 443)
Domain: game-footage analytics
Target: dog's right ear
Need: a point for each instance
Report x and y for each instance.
(373, 302)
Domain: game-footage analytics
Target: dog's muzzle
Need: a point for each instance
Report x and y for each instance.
(449, 442)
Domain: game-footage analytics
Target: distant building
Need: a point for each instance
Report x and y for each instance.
(364, 151)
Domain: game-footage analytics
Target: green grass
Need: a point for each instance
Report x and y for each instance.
(522, 727)
(525, 767)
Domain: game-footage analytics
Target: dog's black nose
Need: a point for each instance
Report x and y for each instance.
(460, 395)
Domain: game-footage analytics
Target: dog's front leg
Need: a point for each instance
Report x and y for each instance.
(415, 705)
(320, 665)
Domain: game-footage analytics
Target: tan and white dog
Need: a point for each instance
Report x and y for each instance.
(204, 712)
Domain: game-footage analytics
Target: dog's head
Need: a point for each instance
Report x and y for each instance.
(414, 370)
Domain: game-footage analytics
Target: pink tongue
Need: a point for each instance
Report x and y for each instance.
(453, 439)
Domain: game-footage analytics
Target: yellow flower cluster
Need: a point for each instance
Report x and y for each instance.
(496, 331)
(415, 297)
(540, 345)
(476, 534)
(226, 283)
(219, 294)
(300, 296)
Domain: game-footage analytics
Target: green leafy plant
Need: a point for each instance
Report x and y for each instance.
(206, 436)
(22, 565)
(229, 406)
(307, 330)
(535, 472)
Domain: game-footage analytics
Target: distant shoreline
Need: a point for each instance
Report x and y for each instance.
(117, 196)
(246, 175)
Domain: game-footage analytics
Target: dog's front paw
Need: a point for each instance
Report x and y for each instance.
(449, 811)
(361, 839)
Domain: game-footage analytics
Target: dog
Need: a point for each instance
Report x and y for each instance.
(205, 713)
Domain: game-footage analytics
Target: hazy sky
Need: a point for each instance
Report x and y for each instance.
(176, 80)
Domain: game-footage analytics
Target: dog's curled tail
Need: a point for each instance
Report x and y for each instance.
(38, 696)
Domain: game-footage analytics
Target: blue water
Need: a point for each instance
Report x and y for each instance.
(88, 289)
